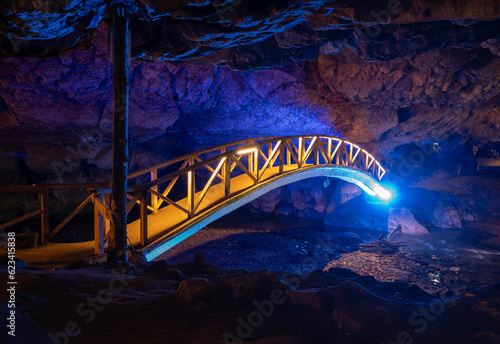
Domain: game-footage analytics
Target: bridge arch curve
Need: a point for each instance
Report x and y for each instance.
(364, 181)
(239, 173)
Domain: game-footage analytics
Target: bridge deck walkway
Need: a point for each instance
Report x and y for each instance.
(159, 224)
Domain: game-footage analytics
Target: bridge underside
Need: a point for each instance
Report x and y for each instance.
(169, 226)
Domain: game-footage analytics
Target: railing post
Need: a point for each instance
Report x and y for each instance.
(288, 154)
(329, 151)
(351, 149)
(144, 219)
(250, 163)
(98, 226)
(44, 237)
(107, 223)
(300, 153)
(316, 151)
(227, 177)
(154, 198)
(191, 192)
(255, 157)
(340, 152)
(282, 155)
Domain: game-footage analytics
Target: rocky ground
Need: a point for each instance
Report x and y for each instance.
(190, 303)
(270, 280)
(438, 262)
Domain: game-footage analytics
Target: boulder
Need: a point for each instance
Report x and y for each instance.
(269, 201)
(447, 217)
(404, 218)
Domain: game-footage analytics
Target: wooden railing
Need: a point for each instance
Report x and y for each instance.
(251, 157)
(105, 218)
(192, 175)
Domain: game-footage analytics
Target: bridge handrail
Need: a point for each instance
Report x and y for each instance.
(294, 152)
(251, 143)
(187, 156)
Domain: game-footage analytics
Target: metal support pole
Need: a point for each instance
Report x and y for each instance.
(120, 52)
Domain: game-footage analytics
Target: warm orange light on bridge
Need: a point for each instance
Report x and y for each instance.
(245, 151)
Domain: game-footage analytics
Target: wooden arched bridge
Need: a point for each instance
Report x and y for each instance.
(180, 196)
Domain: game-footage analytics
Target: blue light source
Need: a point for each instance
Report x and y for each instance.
(383, 193)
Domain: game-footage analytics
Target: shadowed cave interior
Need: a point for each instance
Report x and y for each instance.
(415, 83)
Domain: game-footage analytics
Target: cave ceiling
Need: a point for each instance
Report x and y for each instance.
(382, 73)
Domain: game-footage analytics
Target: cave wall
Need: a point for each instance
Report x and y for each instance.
(418, 88)
(63, 105)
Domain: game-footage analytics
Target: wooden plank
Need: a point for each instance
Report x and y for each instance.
(70, 217)
(261, 153)
(208, 167)
(170, 185)
(209, 183)
(288, 155)
(169, 201)
(256, 163)
(316, 152)
(21, 189)
(192, 167)
(227, 178)
(270, 159)
(329, 150)
(309, 149)
(107, 223)
(38, 189)
(106, 211)
(132, 202)
(191, 192)
(291, 153)
(103, 185)
(338, 152)
(154, 199)
(321, 148)
(282, 156)
(45, 216)
(208, 150)
(238, 162)
(20, 219)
